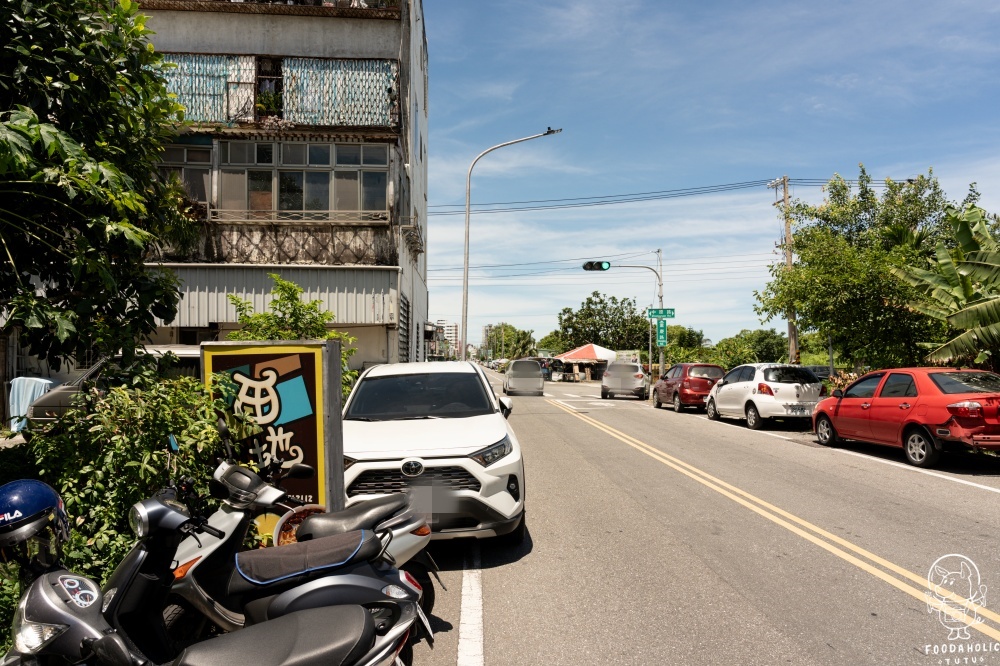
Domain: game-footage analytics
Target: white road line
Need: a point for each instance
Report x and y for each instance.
(911, 468)
(759, 432)
(470, 627)
(571, 395)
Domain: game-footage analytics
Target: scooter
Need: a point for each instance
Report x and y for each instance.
(202, 561)
(59, 620)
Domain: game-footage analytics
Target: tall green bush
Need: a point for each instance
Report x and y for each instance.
(109, 452)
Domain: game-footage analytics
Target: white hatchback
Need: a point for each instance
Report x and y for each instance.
(439, 431)
(760, 391)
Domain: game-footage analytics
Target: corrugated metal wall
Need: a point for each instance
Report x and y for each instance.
(354, 295)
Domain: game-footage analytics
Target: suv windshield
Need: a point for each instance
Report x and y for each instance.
(706, 371)
(790, 375)
(966, 382)
(428, 395)
(623, 369)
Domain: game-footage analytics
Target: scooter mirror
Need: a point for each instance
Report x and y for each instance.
(111, 650)
(223, 429)
(300, 471)
(174, 446)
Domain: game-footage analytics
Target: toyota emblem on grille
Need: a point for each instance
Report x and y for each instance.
(412, 468)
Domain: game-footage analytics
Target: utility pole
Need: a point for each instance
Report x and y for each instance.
(793, 334)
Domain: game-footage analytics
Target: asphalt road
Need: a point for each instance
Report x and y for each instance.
(661, 538)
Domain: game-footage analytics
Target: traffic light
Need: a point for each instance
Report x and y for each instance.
(597, 265)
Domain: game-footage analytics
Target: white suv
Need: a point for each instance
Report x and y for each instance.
(439, 431)
(759, 391)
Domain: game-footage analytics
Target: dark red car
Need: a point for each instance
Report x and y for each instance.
(922, 410)
(686, 385)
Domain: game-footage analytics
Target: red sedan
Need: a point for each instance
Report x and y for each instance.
(922, 410)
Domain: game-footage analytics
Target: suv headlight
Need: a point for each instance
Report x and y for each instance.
(494, 452)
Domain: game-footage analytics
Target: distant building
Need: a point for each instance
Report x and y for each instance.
(450, 333)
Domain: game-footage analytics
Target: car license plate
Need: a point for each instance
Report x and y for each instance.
(797, 411)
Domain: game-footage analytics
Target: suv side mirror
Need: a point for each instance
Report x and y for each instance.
(506, 406)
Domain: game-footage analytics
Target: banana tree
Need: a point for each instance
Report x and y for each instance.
(963, 289)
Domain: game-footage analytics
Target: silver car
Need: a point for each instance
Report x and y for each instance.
(625, 378)
(524, 376)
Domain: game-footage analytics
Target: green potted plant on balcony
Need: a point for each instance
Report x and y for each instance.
(268, 104)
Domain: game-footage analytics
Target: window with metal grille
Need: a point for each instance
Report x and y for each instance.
(404, 329)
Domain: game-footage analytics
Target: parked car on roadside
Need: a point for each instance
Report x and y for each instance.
(437, 429)
(760, 391)
(49, 406)
(624, 379)
(686, 385)
(923, 410)
(524, 376)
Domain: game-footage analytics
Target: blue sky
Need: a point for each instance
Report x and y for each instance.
(655, 96)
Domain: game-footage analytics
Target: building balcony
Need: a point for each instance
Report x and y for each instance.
(311, 92)
(374, 9)
(326, 238)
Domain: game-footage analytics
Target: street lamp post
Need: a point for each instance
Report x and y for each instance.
(468, 201)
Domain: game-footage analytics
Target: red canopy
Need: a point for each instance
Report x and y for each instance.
(590, 352)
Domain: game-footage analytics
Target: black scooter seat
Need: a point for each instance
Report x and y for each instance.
(362, 516)
(333, 636)
(265, 566)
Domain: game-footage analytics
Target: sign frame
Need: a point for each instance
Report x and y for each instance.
(325, 388)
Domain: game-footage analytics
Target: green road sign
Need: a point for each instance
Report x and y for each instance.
(656, 313)
(661, 332)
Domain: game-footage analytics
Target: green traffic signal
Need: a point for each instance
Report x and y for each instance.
(596, 265)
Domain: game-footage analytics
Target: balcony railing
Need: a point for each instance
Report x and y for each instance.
(356, 8)
(369, 218)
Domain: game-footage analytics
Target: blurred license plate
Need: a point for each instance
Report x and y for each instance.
(798, 411)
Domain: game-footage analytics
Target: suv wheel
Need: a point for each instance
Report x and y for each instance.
(604, 394)
(754, 420)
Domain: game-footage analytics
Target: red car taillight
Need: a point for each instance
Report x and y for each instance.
(969, 409)
(764, 389)
(686, 383)
(822, 390)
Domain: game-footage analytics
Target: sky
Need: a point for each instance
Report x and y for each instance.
(661, 97)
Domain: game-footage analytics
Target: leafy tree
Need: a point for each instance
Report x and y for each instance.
(554, 342)
(508, 341)
(292, 319)
(84, 116)
(685, 337)
(605, 321)
(841, 285)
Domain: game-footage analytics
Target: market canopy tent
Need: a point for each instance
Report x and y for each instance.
(590, 352)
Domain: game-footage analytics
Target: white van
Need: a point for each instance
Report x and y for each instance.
(524, 376)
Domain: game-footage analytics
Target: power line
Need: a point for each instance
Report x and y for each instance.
(612, 199)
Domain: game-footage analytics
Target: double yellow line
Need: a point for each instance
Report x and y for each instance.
(831, 543)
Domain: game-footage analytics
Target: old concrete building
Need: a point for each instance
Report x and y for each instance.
(307, 156)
